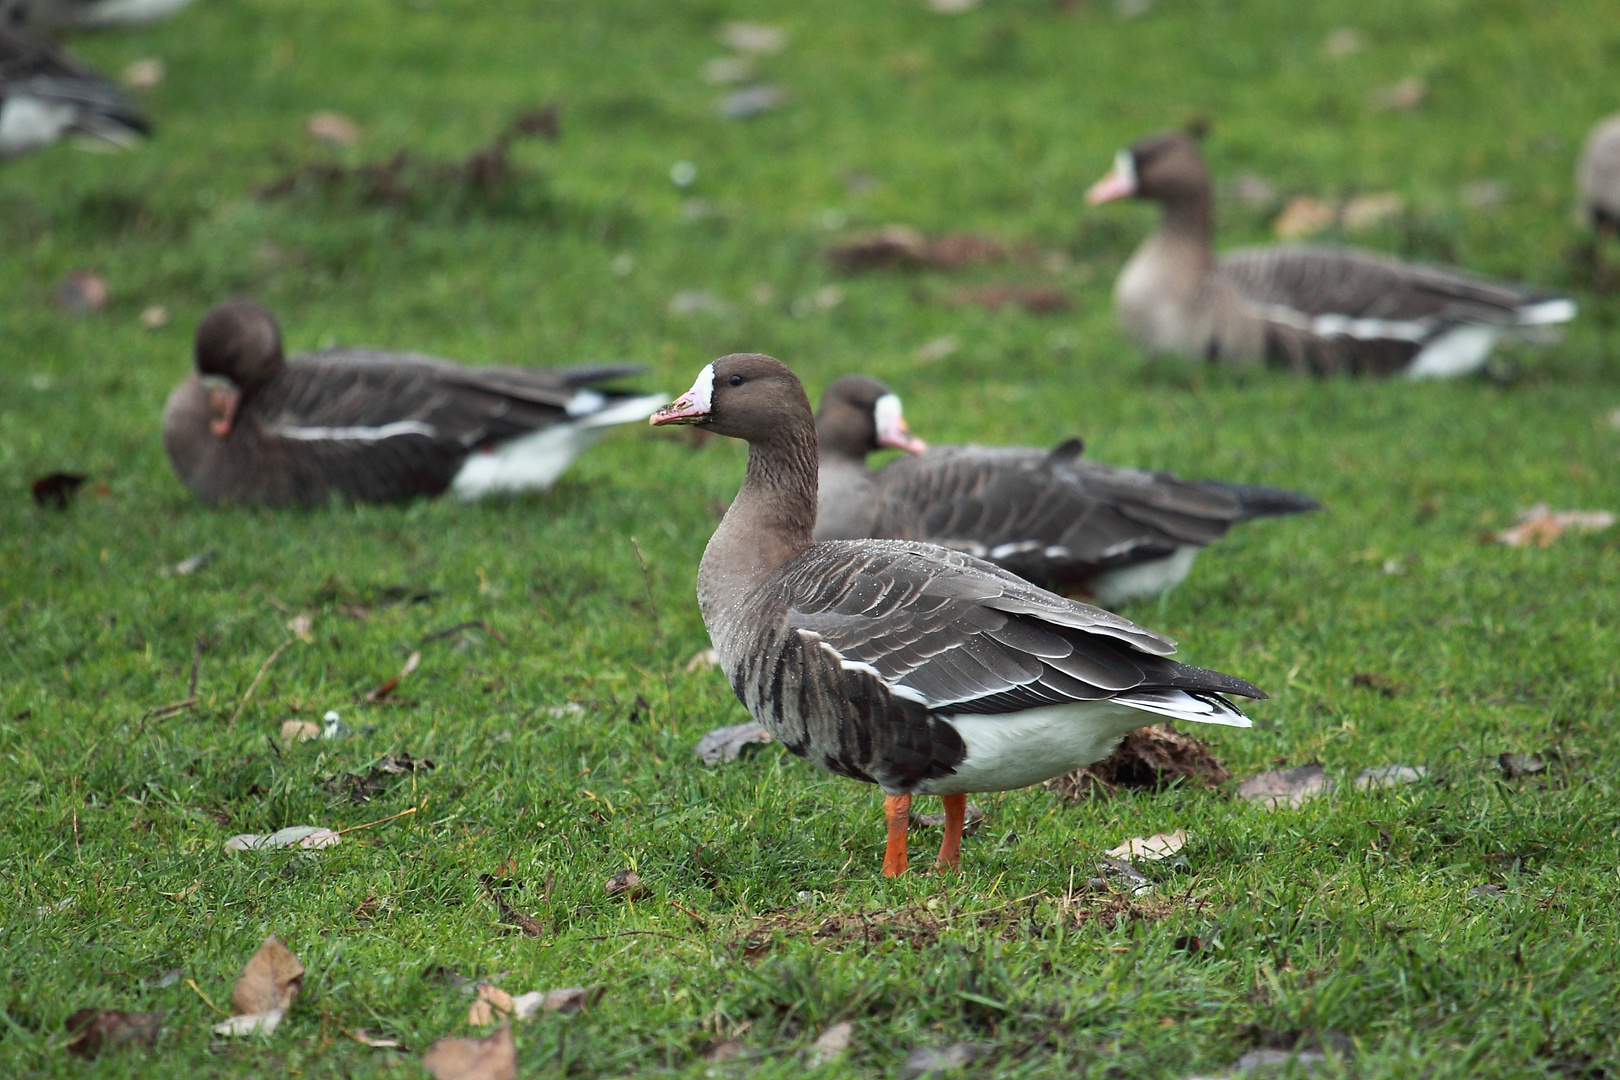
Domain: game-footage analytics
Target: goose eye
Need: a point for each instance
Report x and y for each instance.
(736, 380)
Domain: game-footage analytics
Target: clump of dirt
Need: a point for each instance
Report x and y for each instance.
(1149, 758)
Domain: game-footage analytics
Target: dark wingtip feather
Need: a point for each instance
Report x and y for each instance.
(1187, 677)
(1258, 501)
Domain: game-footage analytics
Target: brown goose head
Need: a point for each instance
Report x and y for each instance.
(860, 415)
(238, 351)
(745, 396)
(1166, 168)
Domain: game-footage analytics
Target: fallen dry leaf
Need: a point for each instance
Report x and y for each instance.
(82, 292)
(1036, 300)
(144, 74)
(300, 730)
(155, 317)
(626, 883)
(301, 626)
(1403, 96)
(972, 818)
(494, 1057)
(54, 489)
(491, 1002)
(750, 37)
(265, 991)
(1153, 848)
(191, 564)
(360, 1036)
(304, 836)
(1148, 759)
(1369, 211)
(1289, 788)
(831, 1045)
(1303, 216)
(1541, 525)
(334, 128)
(702, 661)
(93, 1030)
(727, 743)
(567, 1001)
(1391, 776)
(904, 247)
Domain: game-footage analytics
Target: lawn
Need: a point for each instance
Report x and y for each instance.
(1464, 925)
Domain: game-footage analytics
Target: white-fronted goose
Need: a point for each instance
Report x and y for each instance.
(46, 94)
(1597, 186)
(1047, 516)
(56, 15)
(1318, 310)
(249, 426)
(902, 664)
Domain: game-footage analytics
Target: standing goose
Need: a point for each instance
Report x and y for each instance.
(1597, 184)
(907, 665)
(1047, 516)
(249, 426)
(54, 15)
(46, 94)
(1318, 310)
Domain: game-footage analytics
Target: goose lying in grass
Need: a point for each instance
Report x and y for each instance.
(902, 664)
(249, 425)
(1316, 310)
(46, 94)
(1046, 515)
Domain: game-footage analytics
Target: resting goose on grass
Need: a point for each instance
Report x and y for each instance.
(46, 94)
(1316, 310)
(85, 14)
(1597, 185)
(250, 426)
(902, 664)
(1047, 516)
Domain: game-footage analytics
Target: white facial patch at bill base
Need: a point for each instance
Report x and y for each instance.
(887, 415)
(701, 396)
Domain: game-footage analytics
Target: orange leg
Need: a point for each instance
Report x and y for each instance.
(950, 848)
(897, 809)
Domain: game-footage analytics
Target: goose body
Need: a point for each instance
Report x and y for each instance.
(1050, 517)
(249, 426)
(1597, 177)
(46, 95)
(55, 15)
(903, 664)
(1312, 309)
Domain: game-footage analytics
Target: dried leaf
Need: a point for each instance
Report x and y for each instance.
(929, 1060)
(702, 661)
(270, 980)
(1036, 300)
(411, 664)
(626, 883)
(191, 564)
(900, 246)
(93, 1030)
(144, 74)
(1303, 216)
(748, 37)
(300, 730)
(727, 743)
(1153, 848)
(1541, 525)
(491, 1004)
(972, 818)
(334, 128)
(832, 1044)
(1391, 776)
(494, 1057)
(360, 1036)
(1289, 788)
(1148, 759)
(251, 1024)
(301, 625)
(304, 836)
(82, 292)
(54, 489)
(566, 1001)
(1369, 211)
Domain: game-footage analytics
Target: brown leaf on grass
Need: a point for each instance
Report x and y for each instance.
(190, 564)
(304, 836)
(831, 1044)
(390, 685)
(334, 128)
(1403, 96)
(494, 1004)
(54, 489)
(508, 913)
(1036, 300)
(727, 743)
(82, 292)
(491, 1002)
(1153, 848)
(902, 247)
(494, 1057)
(1304, 216)
(971, 820)
(626, 883)
(1541, 525)
(300, 730)
(93, 1030)
(265, 991)
(1148, 758)
(1290, 788)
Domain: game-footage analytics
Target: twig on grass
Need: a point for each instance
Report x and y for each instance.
(208, 1001)
(529, 926)
(175, 708)
(254, 685)
(379, 821)
(632, 933)
(689, 913)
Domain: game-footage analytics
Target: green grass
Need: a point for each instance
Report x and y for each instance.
(1353, 914)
